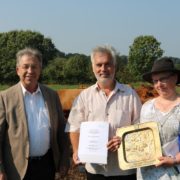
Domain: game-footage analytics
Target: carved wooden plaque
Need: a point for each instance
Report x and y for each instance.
(140, 145)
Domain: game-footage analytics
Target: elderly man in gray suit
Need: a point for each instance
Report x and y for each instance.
(33, 145)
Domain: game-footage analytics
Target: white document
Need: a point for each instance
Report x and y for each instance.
(171, 149)
(93, 142)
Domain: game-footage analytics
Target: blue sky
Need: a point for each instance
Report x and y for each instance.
(77, 26)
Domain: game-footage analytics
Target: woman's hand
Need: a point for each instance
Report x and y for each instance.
(114, 143)
(166, 161)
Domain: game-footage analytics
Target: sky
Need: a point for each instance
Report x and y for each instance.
(77, 26)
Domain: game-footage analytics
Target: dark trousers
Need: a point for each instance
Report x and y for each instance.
(41, 168)
(101, 177)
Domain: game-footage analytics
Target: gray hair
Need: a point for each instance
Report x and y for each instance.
(30, 52)
(104, 49)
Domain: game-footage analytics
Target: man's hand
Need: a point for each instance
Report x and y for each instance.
(76, 159)
(3, 176)
(114, 143)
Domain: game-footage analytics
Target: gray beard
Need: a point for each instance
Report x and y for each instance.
(105, 81)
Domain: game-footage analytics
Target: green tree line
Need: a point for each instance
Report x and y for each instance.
(62, 68)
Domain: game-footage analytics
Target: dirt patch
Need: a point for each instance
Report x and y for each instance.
(75, 173)
(146, 92)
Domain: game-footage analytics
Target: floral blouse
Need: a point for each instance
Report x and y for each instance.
(169, 127)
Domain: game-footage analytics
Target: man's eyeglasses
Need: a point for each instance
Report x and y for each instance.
(163, 80)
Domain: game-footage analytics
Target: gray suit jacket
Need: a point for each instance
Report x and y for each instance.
(14, 142)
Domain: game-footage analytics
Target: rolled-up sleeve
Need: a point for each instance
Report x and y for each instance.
(76, 116)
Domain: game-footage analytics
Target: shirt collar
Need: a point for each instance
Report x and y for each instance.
(118, 87)
(25, 91)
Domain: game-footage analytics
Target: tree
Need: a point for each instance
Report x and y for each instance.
(176, 61)
(143, 52)
(121, 64)
(76, 69)
(8, 72)
(11, 42)
(54, 71)
(91, 77)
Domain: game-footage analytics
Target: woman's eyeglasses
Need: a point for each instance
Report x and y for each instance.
(163, 80)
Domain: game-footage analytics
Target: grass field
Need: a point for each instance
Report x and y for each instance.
(2, 87)
(53, 86)
(58, 87)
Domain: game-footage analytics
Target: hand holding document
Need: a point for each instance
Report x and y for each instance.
(93, 141)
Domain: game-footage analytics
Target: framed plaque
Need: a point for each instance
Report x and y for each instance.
(140, 145)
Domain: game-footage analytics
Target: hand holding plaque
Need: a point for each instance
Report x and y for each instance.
(140, 145)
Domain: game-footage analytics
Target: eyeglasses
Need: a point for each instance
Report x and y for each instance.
(27, 66)
(162, 80)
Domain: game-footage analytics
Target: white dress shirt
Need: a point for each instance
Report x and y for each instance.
(38, 122)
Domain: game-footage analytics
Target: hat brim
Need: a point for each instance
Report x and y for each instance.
(148, 76)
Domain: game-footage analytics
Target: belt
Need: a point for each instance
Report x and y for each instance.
(38, 158)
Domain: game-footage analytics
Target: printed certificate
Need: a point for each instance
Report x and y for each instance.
(93, 142)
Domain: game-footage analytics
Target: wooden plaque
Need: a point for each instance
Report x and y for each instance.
(140, 145)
